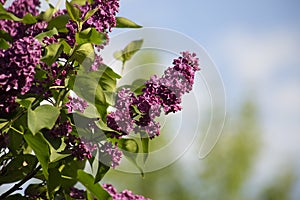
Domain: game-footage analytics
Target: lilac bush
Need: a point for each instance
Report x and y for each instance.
(51, 76)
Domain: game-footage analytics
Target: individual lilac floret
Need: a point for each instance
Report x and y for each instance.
(124, 195)
(17, 70)
(76, 104)
(112, 152)
(77, 193)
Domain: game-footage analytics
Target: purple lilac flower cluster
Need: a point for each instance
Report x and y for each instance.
(124, 195)
(17, 70)
(79, 147)
(102, 20)
(112, 152)
(77, 193)
(20, 8)
(164, 92)
(121, 120)
(76, 104)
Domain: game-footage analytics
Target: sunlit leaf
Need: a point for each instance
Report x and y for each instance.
(88, 181)
(41, 149)
(59, 23)
(29, 19)
(43, 116)
(49, 33)
(53, 51)
(73, 11)
(123, 22)
(90, 35)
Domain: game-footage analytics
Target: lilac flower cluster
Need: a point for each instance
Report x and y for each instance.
(20, 8)
(124, 195)
(164, 92)
(76, 104)
(104, 19)
(17, 70)
(77, 193)
(121, 120)
(96, 64)
(79, 147)
(112, 152)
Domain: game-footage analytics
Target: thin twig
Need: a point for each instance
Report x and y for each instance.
(18, 185)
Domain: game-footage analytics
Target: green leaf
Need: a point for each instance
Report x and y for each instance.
(73, 11)
(101, 171)
(67, 48)
(26, 103)
(130, 149)
(43, 116)
(41, 149)
(127, 53)
(145, 146)
(15, 142)
(59, 23)
(89, 89)
(54, 181)
(49, 33)
(90, 13)
(56, 156)
(123, 22)
(9, 16)
(78, 2)
(87, 180)
(4, 44)
(29, 19)
(17, 168)
(36, 190)
(90, 35)
(6, 36)
(84, 53)
(47, 15)
(53, 51)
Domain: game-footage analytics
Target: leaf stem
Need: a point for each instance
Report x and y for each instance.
(18, 185)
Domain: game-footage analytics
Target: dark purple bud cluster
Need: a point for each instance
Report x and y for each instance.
(164, 92)
(79, 147)
(17, 70)
(124, 195)
(77, 193)
(76, 104)
(110, 151)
